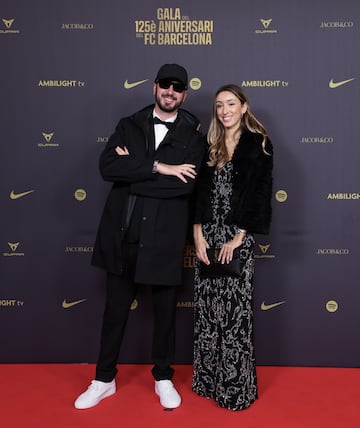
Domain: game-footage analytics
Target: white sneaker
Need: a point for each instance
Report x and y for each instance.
(169, 397)
(95, 393)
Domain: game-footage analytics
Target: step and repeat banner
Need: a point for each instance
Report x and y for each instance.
(69, 71)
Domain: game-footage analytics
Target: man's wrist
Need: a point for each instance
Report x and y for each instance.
(155, 166)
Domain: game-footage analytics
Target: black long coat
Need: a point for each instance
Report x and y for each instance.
(165, 198)
(252, 181)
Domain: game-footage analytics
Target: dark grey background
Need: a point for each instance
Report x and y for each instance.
(297, 267)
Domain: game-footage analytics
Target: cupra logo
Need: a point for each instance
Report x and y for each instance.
(266, 22)
(128, 85)
(334, 85)
(8, 22)
(13, 246)
(14, 250)
(48, 137)
(264, 248)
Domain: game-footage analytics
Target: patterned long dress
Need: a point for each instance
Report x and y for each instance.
(224, 360)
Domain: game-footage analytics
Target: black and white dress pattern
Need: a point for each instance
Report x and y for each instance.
(224, 360)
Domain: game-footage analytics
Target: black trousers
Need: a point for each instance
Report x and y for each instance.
(120, 293)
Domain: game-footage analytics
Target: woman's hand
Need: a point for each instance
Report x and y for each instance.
(180, 171)
(200, 244)
(227, 250)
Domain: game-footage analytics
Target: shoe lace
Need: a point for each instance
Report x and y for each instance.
(166, 386)
(94, 386)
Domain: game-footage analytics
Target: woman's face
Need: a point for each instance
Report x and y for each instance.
(229, 109)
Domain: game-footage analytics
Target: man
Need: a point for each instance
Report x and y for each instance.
(142, 232)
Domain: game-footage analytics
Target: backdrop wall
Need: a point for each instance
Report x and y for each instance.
(70, 70)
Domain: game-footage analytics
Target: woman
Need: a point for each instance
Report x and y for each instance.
(233, 201)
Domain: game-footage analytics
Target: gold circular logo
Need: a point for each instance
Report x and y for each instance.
(134, 305)
(332, 306)
(195, 83)
(80, 194)
(281, 196)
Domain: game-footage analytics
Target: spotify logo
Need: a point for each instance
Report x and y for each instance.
(80, 194)
(332, 306)
(195, 83)
(281, 196)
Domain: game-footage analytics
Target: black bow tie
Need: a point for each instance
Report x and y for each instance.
(158, 121)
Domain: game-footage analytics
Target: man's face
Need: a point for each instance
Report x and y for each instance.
(169, 95)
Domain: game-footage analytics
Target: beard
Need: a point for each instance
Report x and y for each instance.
(164, 105)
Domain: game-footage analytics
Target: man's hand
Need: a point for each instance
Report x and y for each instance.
(180, 171)
(120, 151)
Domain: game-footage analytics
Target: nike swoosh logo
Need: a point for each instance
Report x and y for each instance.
(14, 195)
(67, 305)
(265, 307)
(334, 85)
(128, 85)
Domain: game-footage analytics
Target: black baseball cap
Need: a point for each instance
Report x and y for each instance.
(172, 72)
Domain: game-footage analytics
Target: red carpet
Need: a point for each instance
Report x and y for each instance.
(42, 395)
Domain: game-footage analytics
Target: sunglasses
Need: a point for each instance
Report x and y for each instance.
(166, 83)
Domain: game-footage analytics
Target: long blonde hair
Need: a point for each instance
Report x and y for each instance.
(218, 155)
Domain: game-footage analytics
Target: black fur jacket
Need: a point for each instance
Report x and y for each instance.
(252, 186)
